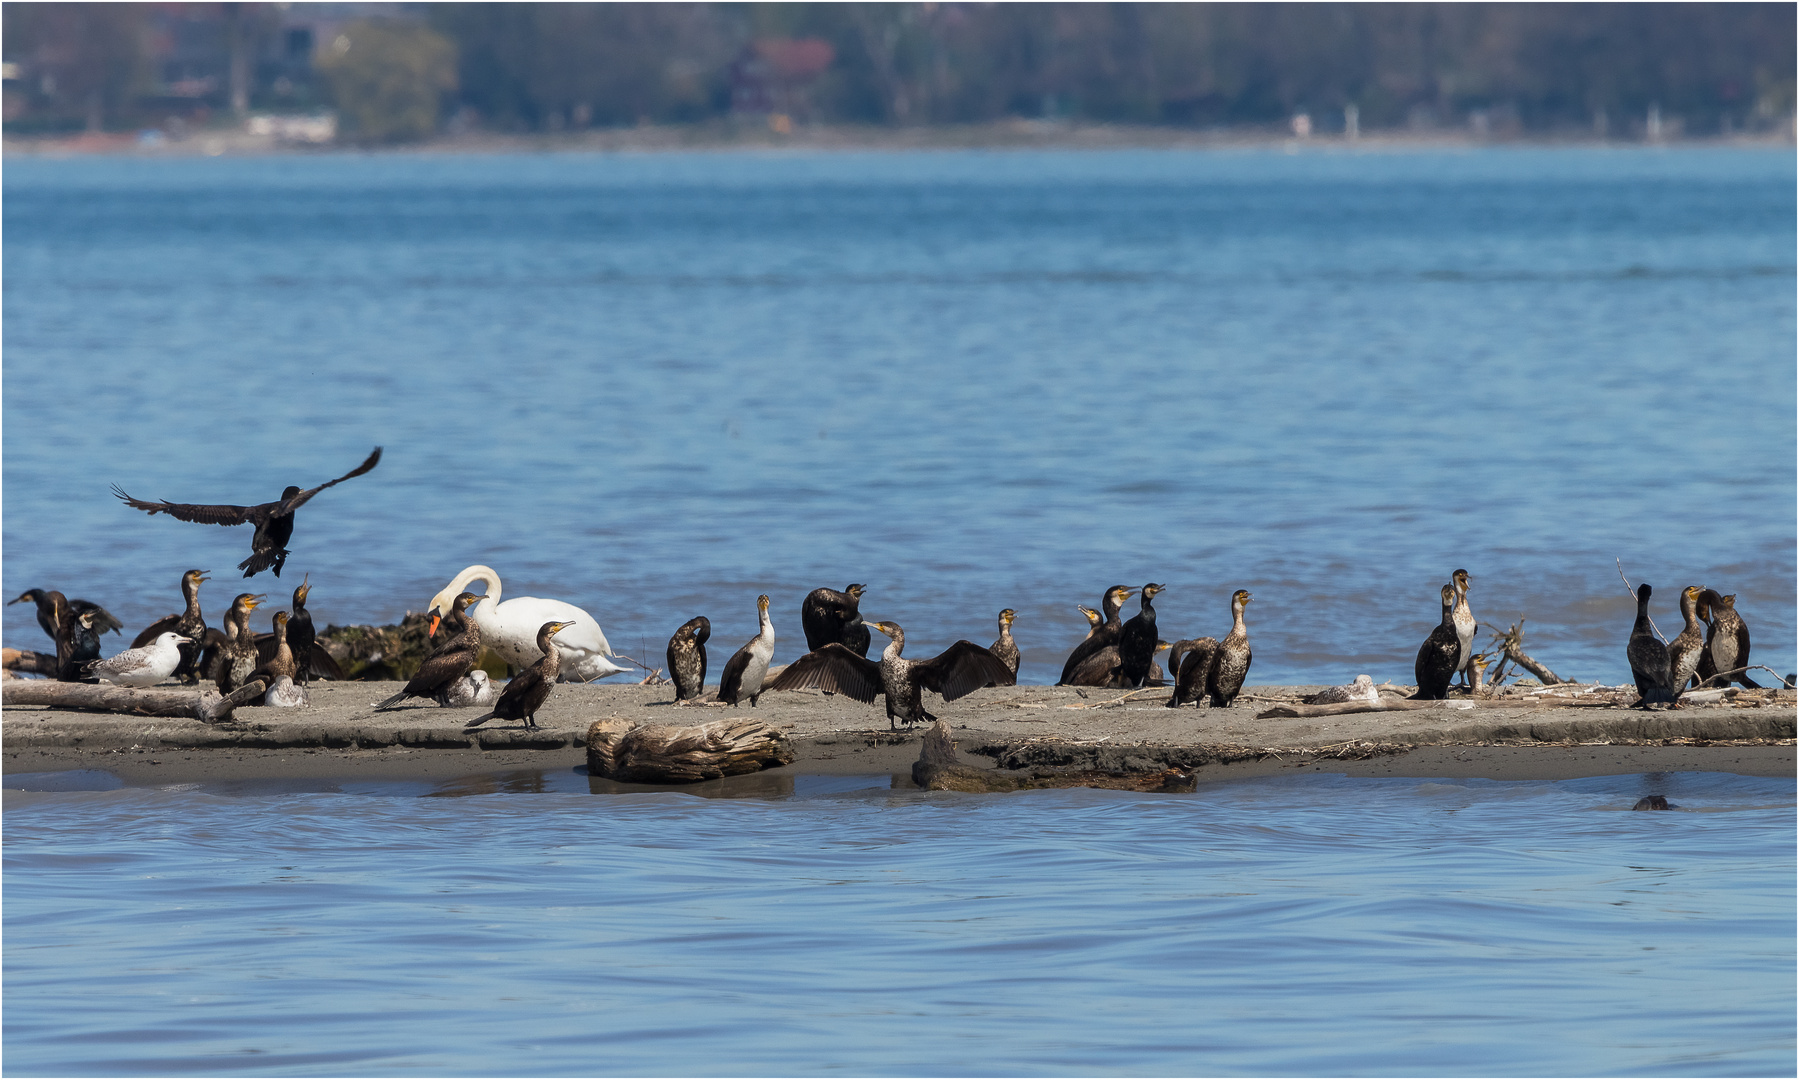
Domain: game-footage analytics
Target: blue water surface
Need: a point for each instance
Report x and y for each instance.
(1313, 925)
(658, 385)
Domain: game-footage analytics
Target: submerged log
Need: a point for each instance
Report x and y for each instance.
(207, 706)
(663, 754)
(939, 769)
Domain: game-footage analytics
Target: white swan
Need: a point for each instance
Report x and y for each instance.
(510, 628)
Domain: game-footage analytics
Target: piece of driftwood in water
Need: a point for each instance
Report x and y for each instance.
(938, 768)
(208, 706)
(664, 754)
(32, 663)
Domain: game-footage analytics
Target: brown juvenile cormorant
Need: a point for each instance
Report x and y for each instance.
(189, 623)
(959, 670)
(525, 694)
(1688, 646)
(1436, 663)
(1137, 639)
(1005, 648)
(828, 615)
(687, 658)
(454, 656)
(274, 521)
(1105, 637)
(748, 666)
(1727, 645)
(236, 654)
(1648, 657)
(1231, 666)
(46, 614)
(1465, 626)
(281, 663)
(1193, 673)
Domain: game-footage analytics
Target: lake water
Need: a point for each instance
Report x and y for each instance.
(1288, 926)
(658, 385)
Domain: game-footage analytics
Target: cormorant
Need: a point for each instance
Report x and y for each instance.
(46, 615)
(748, 666)
(274, 521)
(828, 615)
(1688, 646)
(1137, 639)
(1727, 645)
(1436, 663)
(236, 654)
(189, 623)
(687, 657)
(1648, 657)
(1232, 664)
(146, 665)
(1465, 626)
(525, 694)
(82, 647)
(281, 664)
(1093, 618)
(454, 656)
(310, 657)
(1005, 648)
(1104, 637)
(1191, 660)
(959, 670)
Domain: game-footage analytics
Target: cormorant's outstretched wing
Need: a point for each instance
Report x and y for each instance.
(835, 668)
(198, 513)
(962, 669)
(324, 665)
(150, 633)
(288, 506)
(103, 619)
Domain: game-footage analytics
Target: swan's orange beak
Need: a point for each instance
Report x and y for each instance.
(431, 632)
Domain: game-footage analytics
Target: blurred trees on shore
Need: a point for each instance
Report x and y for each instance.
(1614, 69)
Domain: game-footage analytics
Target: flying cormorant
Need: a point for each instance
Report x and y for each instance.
(274, 521)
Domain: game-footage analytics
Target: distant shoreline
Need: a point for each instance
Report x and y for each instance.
(1012, 135)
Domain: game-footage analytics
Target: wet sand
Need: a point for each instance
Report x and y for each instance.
(341, 736)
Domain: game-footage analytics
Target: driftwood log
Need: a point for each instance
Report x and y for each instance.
(1343, 708)
(34, 663)
(663, 754)
(208, 706)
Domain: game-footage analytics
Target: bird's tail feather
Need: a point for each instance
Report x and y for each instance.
(392, 701)
(478, 721)
(262, 560)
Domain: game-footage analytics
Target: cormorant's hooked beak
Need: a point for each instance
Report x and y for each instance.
(301, 593)
(10, 603)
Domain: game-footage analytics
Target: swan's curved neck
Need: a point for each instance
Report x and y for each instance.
(477, 573)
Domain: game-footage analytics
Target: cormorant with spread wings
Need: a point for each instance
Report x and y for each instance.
(274, 521)
(959, 670)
